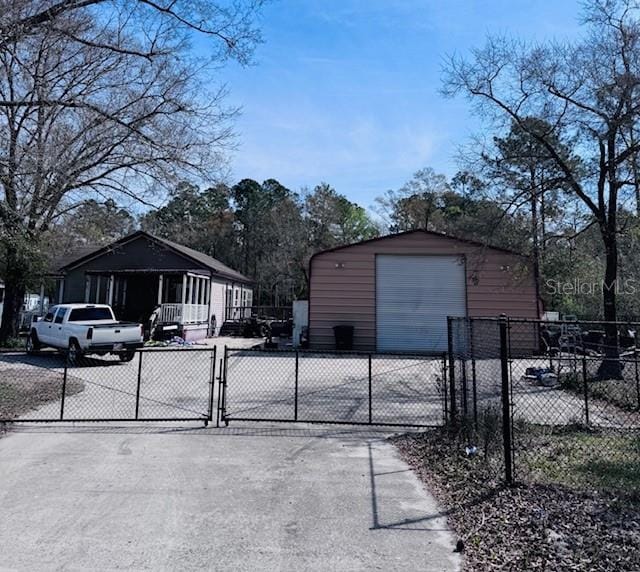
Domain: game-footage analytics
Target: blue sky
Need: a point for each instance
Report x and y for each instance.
(346, 91)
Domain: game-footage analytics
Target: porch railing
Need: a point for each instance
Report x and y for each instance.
(184, 313)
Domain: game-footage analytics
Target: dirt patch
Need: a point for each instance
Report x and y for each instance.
(526, 527)
(24, 390)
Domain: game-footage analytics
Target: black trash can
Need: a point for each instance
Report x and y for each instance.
(344, 337)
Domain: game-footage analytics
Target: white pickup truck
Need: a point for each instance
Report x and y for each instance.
(80, 329)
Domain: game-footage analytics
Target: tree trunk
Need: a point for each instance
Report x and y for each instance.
(15, 280)
(536, 242)
(611, 367)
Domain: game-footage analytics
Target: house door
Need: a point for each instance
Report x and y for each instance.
(414, 296)
(142, 297)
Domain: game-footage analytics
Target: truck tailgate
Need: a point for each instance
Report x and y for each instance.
(116, 333)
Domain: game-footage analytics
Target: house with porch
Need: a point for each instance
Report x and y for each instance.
(190, 292)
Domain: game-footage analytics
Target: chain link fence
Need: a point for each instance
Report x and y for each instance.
(548, 401)
(333, 387)
(156, 384)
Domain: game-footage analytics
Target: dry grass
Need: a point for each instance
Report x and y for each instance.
(22, 391)
(589, 522)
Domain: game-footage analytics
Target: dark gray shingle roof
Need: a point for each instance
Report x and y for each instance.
(217, 267)
(205, 259)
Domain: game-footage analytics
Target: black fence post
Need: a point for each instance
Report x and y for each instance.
(452, 370)
(370, 394)
(506, 404)
(295, 402)
(219, 394)
(465, 391)
(223, 414)
(445, 383)
(473, 375)
(212, 381)
(635, 363)
(585, 388)
(64, 387)
(138, 385)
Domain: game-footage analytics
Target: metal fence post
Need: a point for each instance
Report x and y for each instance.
(465, 392)
(370, 394)
(218, 409)
(212, 381)
(223, 411)
(64, 388)
(506, 405)
(452, 371)
(635, 362)
(585, 389)
(474, 383)
(445, 383)
(295, 402)
(138, 386)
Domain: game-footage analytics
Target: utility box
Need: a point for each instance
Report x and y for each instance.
(300, 321)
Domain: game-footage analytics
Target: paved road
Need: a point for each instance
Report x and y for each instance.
(241, 498)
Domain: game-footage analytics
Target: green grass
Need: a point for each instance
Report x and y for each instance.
(583, 459)
(623, 394)
(13, 344)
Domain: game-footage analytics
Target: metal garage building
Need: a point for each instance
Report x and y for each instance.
(398, 290)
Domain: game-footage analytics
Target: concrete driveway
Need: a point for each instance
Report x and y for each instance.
(245, 497)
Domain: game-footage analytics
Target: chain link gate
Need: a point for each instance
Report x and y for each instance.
(158, 384)
(332, 387)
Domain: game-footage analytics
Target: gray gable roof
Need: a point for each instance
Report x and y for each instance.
(213, 263)
(217, 268)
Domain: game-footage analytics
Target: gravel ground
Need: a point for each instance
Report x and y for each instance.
(525, 527)
(20, 393)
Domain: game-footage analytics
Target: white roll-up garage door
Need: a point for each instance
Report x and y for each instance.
(414, 296)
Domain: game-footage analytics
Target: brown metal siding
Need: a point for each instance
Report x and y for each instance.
(342, 289)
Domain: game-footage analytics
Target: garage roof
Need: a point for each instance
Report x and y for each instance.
(422, 231)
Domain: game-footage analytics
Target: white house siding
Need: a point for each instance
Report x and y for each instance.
(218, 301)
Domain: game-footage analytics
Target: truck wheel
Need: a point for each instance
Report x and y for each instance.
(126, 356)
(74, 353)
(33, 344)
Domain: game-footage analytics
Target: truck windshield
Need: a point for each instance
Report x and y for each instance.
(90, 314)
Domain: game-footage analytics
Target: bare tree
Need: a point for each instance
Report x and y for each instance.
(230, 23)
(587, 92)
(103, 99)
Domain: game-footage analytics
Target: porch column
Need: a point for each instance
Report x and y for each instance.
(184, 289)
(98, 280)
(191, 289)
(197, 292)
(61, 291)
(160, 286)
(87, 287)
(110, 289)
